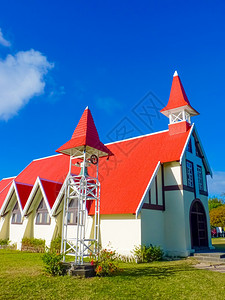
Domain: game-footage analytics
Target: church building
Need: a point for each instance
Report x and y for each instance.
(154, 193)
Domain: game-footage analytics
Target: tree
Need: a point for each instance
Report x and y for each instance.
(215, 202)
(217, 216)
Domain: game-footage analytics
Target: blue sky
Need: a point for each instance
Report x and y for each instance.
(57, 57)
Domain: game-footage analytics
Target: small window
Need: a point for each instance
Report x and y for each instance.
(200, 178)
(189, 147)
(197, 150)
(16, 214)
(72, 212)
(42, 215)
(190, 174)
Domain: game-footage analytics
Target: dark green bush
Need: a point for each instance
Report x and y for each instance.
(147, 253)
(53, 263)
(4, 242)
(56, 245)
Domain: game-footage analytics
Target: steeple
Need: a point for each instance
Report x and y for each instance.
(85, 148)
(85, 136)
(178, 109)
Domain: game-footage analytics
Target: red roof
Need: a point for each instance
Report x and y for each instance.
(85, 134)
(53, 168)
(51, 190)
(24, 192)
(178, 97)
(5, 185)
(124, 177)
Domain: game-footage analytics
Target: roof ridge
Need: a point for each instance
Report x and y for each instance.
(6, 186)
(8, 178)
(45, 157)
(28, 184)
(52, 181)
(137, 137)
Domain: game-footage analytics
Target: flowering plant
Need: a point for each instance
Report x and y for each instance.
(105, 263)
(52, 262)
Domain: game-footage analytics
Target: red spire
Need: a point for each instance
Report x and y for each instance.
(85, 134)
(86, 127)
(178, 98)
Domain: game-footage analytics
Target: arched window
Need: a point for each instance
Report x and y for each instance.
(16, 214)
(42, 215)
(72, 212)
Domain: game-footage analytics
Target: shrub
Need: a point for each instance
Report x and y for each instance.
(4, 242)
(53, 263)
(33, 245)
(147, 253)
(56, 245)
(106, 263)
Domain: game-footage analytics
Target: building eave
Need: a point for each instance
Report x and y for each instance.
(147, 188)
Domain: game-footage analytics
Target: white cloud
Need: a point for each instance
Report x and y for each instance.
(21, 78)
(3, 41)
(217, 183)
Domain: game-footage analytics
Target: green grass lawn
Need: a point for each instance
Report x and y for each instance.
(21, 277)
(219, 243)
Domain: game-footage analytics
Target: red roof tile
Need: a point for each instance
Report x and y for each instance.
(51, 168)
(85, 134)
(24, 192)
(5, 185)
(125, 176)
(51, 190)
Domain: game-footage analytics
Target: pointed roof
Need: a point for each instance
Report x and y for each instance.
(178, 98)
(5, 185)
(85, 135)
(51, 190)
(23, 192)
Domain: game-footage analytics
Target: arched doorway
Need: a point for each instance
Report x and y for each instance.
(198, 225)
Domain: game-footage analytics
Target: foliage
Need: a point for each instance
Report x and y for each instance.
(53, 263)
(21, 275)
(215, 202)
(217, 216)
(149, 253)
(125, 258)
(106, 263)
(33, 245)
(56, 244)
(4, 242)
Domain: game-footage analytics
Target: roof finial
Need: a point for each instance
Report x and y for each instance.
(86, 108)
(175, 74)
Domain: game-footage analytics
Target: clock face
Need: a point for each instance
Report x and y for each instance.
(94, 159)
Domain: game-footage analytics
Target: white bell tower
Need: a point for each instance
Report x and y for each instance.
(84, 149)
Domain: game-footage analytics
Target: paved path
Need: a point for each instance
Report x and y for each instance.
(216, 267)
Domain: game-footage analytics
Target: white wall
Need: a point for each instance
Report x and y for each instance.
(172, 174)
(152, 227)
(120, 232)
(44, 232)
(175, 226)
(17, 233)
